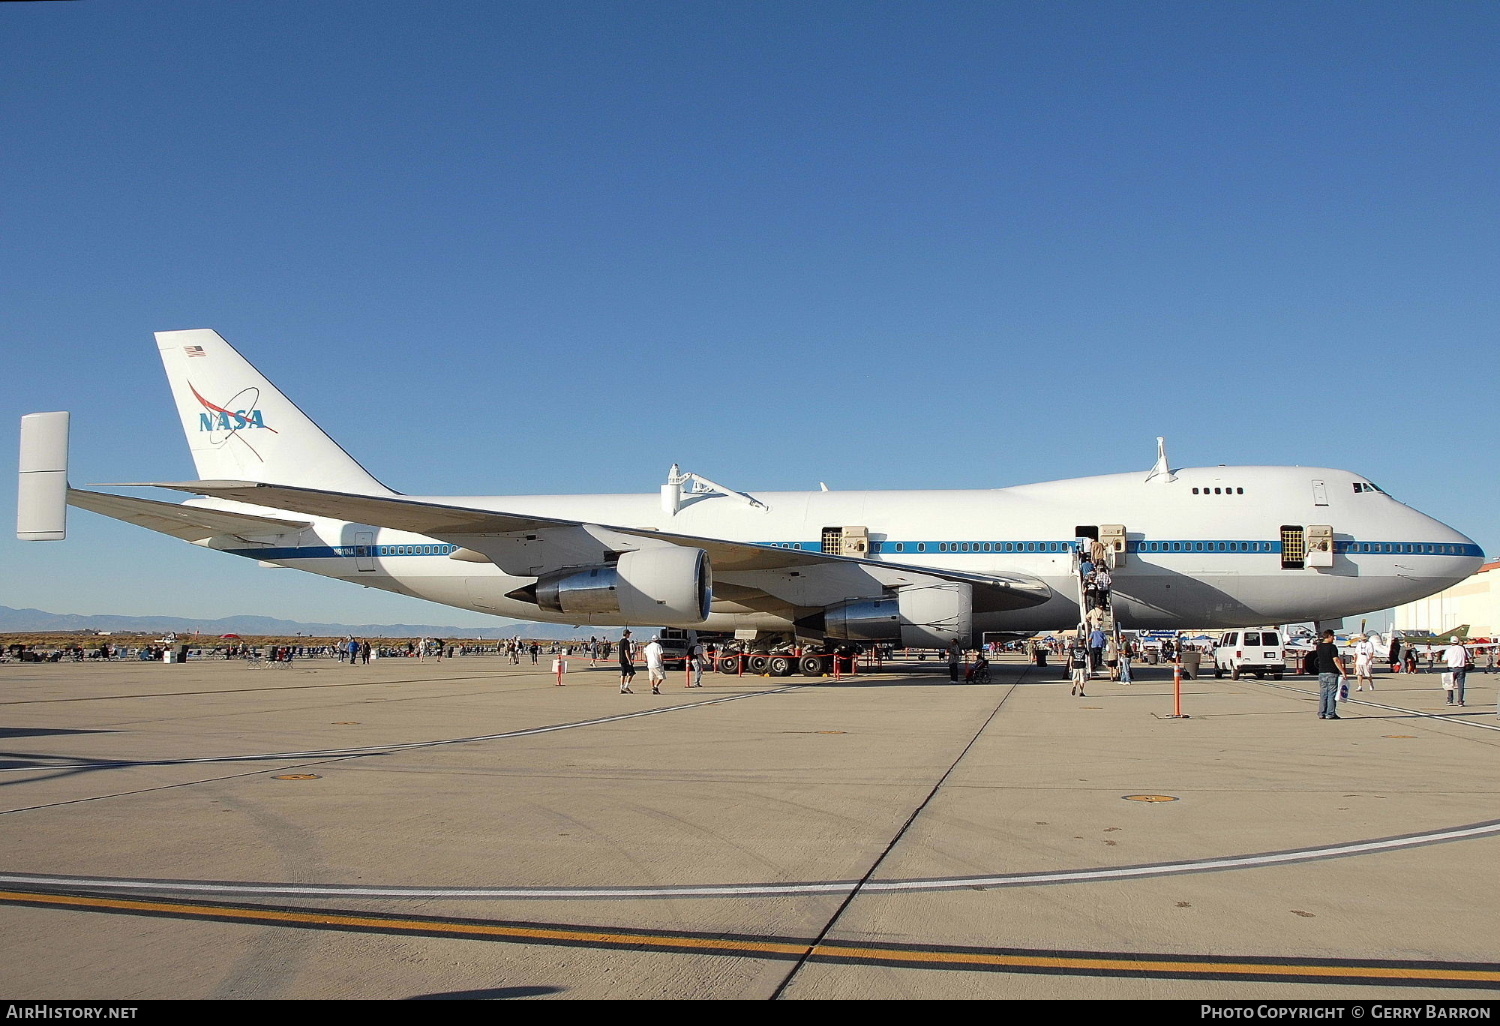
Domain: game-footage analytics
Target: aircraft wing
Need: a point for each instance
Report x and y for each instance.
(190, 523)
(531, 545)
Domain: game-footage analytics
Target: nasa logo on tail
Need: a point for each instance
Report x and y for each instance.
(238, 414)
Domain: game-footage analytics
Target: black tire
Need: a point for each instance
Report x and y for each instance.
(729, 663)
(1218, 673)
(757, 664)
(1275, 676)
(813, 666)
(1234, 674)
(781, 666)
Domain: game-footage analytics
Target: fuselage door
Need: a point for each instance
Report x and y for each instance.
(1319, 545)
(1292, 547)
(846, 541)
(1320, 493)
(364, 551)
(1112, 536)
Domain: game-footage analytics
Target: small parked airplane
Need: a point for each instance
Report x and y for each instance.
(1212, 547)
(1459, 635)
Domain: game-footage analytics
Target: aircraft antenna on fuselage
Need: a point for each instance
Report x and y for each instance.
(1162, 471)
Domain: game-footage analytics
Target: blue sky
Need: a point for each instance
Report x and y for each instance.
(527, 247)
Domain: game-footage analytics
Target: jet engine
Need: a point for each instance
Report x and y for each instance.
(917, 617)
(666, 586)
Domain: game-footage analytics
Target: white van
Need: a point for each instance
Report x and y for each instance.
(1257, 650)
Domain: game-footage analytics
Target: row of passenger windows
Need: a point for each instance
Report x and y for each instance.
(1218, 491)
(986, 546)
(1144, 546)
(401, 550)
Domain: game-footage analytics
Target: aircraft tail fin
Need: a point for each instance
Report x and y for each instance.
(239, 425)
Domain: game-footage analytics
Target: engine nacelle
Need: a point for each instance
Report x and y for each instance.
(658, 586)
(928, 616)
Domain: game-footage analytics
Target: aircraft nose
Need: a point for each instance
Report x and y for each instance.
(1455, 556)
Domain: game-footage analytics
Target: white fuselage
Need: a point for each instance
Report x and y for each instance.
(1204, 549)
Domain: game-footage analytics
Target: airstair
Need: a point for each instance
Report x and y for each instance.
(1096, 607)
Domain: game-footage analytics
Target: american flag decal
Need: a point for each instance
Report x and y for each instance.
(194, 350)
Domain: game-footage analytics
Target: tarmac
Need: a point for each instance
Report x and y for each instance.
(466, 828)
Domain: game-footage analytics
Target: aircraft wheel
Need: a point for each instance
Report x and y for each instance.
(729, 663)
(757, 664)
(813, 666)
(781, 666)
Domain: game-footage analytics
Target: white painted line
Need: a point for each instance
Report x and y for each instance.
(223, 888)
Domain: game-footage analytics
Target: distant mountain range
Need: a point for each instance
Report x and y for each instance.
(22, 620)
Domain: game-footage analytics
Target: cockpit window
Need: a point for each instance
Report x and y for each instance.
(1365, 486)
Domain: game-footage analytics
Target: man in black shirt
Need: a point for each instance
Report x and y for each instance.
(1331, 674)
(627, 667)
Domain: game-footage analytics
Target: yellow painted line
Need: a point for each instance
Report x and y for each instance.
(1081, 962)
(311, 918)
(749, 947)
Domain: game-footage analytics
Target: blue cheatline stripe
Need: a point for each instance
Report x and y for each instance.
(348, 551)
(1172, 546)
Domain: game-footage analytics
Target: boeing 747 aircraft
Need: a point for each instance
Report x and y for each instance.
(1213, 547)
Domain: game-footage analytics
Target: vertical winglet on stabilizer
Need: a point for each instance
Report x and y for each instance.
(42, 490)
(1162, 472)
(239, 425)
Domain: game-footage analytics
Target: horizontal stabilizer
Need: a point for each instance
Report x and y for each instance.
(190, 523)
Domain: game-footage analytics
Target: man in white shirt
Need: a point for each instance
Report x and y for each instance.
(654, 668)
(1456, 658)
(1364, 663)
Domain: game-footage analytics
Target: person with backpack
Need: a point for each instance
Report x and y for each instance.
(1078, 665)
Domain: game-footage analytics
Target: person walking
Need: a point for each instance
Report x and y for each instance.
(627, 666)
(1096, 650)
(1331, 673)
(955, 655)
(656, 672)
(1364, 663)
(1456, 657)
(1103, 582)
(695, 664)
(1078, 666)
